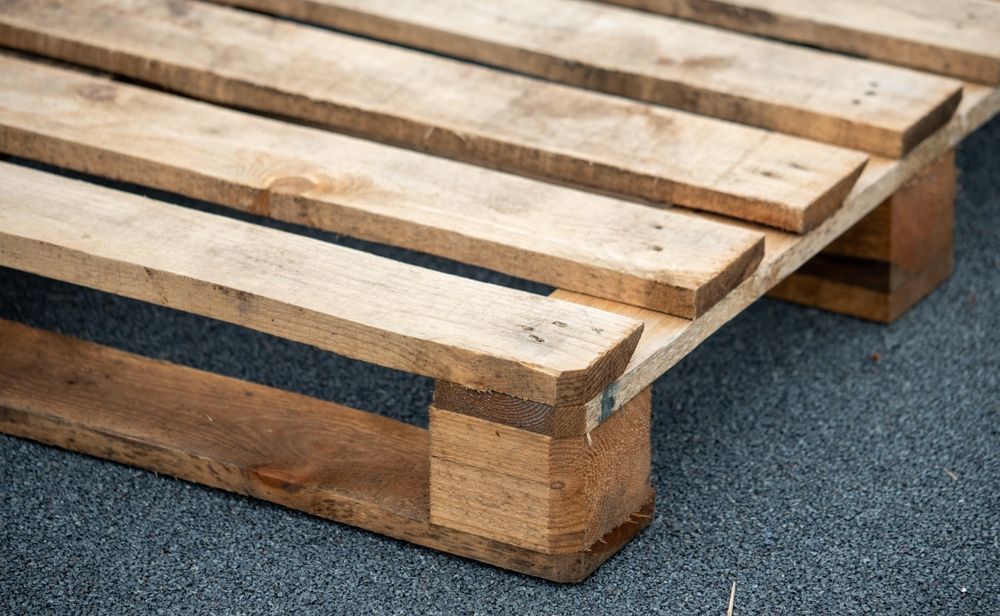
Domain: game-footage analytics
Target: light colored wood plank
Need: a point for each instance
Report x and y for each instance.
(667, 339)
(552, 495)
(338, 299)
(958, 37)
(322, 458)
(444, 106)
(891, 259)
(624, 251)
(849, 102)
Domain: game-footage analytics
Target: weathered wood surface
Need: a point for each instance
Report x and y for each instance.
(660, 259)
(319, 457)
(446, 107)
(954, 37)
(891, 259)
(667, 339)
(342, 300)
(552, 495)
(824, 96)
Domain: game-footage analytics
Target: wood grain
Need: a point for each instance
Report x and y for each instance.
(319, 457)
(959, 37)
(827, 97)
(651, 257)
(891, 259)
(552, 495)
(667, 339)
(446, 107)
(342, 300)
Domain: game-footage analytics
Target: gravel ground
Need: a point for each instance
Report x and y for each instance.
(820, 480)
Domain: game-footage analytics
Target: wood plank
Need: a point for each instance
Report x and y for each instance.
(319, 457)
(342, 300)
(827, 97)
(960, 38)
(655, 258)
(667, 339)
(443, 106)
(551, 495)
(891, 259)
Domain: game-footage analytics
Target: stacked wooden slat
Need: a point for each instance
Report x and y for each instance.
(537, 455)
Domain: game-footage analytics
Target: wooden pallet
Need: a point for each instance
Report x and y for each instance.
(822, 178)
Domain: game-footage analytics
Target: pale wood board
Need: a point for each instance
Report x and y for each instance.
(953, 37)
(443, 106)
(315, 456)
(552, 495)
(823, 96)
(891, 259)
(341, 300)
(666, 339)
(651, 257)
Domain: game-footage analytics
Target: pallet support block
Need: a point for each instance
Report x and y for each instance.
(557, 491)
(891, 259)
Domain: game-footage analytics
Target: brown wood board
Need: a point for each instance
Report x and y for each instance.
(338, 299)
(960, 38)
(319, 457)
(822, 96)
(656, 258)
(445, 107)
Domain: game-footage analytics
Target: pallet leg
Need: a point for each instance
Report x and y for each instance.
(891, 259)
(549, 487)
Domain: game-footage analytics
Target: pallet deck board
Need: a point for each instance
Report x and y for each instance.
(960, 38)
(338, 299)
(537, 453)
(446, 107)
(849, 102)
(667, 339)
(307, 454)
(652, 257)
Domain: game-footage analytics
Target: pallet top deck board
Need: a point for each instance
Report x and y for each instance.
(342, 300)
(667, 339)
(960, 38)
(652, 257)
(823, 96)
(446, 107)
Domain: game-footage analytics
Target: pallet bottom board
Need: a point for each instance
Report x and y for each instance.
(319, 457)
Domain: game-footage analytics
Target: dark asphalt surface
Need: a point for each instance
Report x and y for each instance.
(785, 459)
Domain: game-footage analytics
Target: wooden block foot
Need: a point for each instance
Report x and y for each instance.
(891, 259)
(336, 462)
(550, 494)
